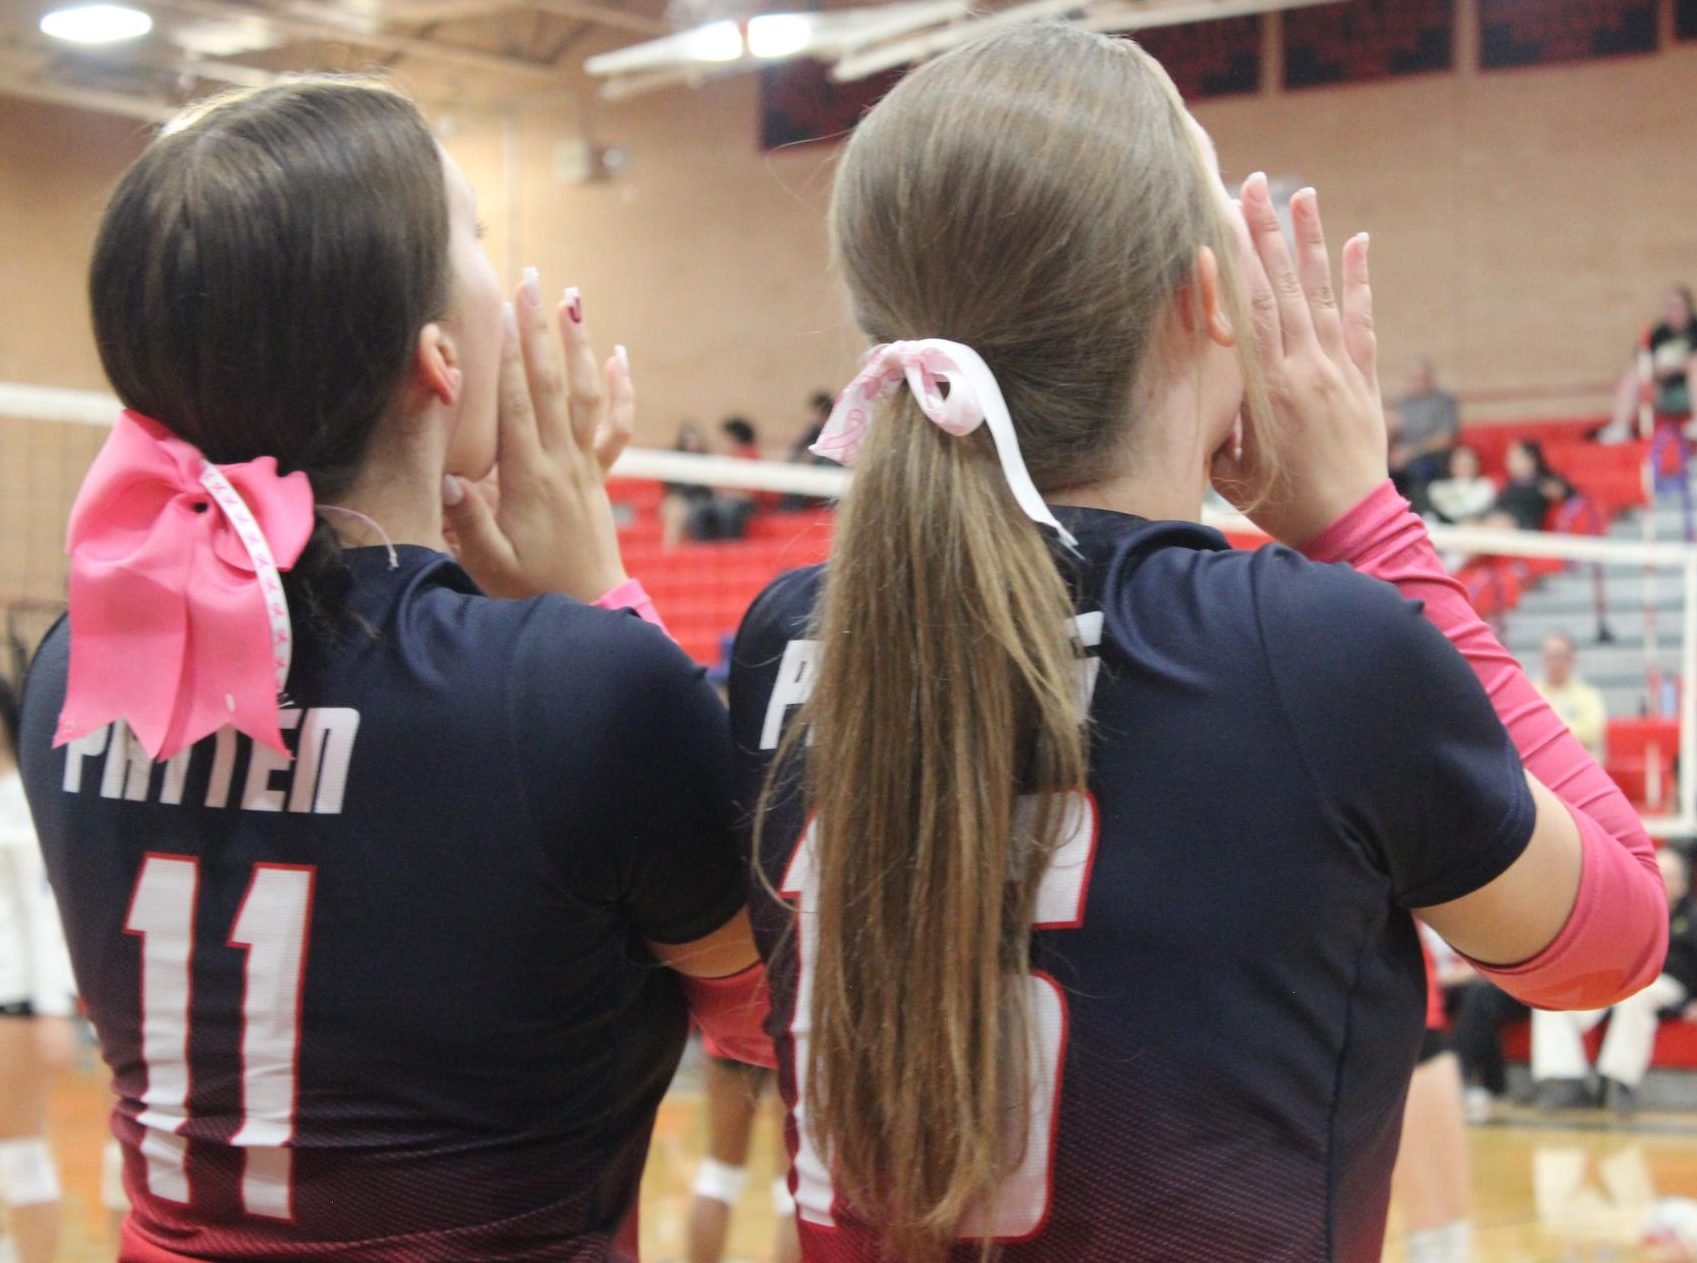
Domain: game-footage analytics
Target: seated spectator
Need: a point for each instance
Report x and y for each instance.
(820, 405)
(1479, 1010)
(1558, 1050)
(1673, 359)
(724, 514)
(1579, 704)
(681, 499)
(1532, 489)
(1466, 495)
(1425, 423)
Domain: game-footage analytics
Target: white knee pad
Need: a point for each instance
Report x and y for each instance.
(28, 1176)
(112, 1195)
(720, 1181)
(783, 1205)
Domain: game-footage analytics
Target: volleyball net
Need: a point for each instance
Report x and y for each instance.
(1620, 582)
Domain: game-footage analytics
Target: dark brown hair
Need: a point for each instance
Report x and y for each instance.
(261, 275)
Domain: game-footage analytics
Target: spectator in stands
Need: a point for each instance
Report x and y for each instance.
(681, 499)
(1480, 1010)
(800, 454)
(820, 405)
(1532, 489)
(724, 514)
(1579, 704)
(1673, 361)
(1424, 423)
(1466, 495)
(1558, 1049)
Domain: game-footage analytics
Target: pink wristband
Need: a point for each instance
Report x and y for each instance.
(732, 1014)
(1615, 938)
(631, 595)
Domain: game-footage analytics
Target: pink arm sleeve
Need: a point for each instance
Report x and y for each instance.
(732, 1014)
(631, 595)
(1615, 938)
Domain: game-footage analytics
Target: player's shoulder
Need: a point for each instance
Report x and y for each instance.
(781, 613)
(1339, 613)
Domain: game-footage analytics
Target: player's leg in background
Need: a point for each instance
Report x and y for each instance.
(112, 1196)
(29, 1177)
(1431, 1182)
(787, 1247)
(733, 1095)
(1477, 1038)
(1559, 1065)
(1630, 1041)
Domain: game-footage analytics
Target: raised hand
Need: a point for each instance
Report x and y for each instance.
(543, 522)
(1325, 446)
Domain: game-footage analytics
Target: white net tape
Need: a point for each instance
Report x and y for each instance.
(1627, 573)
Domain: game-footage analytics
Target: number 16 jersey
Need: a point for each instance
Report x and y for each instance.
(1226, 986)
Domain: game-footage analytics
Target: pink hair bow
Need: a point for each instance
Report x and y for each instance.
(179, 625)
(973, 399)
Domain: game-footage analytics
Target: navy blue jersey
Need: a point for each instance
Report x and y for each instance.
(1285, 758)
(391, 1000)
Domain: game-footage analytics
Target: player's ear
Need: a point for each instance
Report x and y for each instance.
(436, 364)
(1202, 302)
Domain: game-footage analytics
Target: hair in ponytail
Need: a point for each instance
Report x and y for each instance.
(1041, 196)
(260, 278)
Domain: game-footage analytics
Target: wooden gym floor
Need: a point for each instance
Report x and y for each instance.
(1576, 1191)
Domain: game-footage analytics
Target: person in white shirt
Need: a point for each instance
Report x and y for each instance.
(1466, 495)
(37, 996)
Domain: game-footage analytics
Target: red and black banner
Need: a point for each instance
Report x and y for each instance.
(1208, 59)
(1685, 19)
(1543, 32)
(1366, 40)
(800, 103)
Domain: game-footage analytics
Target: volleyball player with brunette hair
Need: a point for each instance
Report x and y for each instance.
(1097, 841)
(390, 901)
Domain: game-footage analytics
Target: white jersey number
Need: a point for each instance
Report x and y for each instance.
(1022, 1206)
(271, 926)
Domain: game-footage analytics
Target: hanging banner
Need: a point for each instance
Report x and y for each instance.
(800, 104)
(1367, 40)
(1543, 32)
(1208, 59)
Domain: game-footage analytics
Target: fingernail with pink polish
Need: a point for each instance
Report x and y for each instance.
(574, 304)
(509, 322)
(532, 287)
(452, 492)
(623, 356)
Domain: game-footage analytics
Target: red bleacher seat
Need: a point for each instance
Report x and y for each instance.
(1676, 1044)
(1641, 754)
(702, 590)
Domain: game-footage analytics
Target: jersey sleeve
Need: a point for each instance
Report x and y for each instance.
(654, 737)
(1394, 728)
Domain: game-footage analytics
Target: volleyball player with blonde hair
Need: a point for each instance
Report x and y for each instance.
(1096, 841)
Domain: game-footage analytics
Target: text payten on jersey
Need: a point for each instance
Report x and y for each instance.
(314, 781)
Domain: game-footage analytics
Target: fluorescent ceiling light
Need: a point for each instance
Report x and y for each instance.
(96, 23)
(779, 34)
(717, 41)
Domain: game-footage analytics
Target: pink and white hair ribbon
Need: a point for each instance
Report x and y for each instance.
(973, 399)
(179, 623)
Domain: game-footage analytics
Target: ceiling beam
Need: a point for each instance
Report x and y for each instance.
(304, 21)
(601, 15)
(120, 103)
(578, 10)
